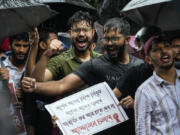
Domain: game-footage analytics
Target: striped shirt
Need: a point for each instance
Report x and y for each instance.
(157, 107)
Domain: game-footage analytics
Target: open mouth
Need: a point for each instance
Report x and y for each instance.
(165, 58)
(81, 42)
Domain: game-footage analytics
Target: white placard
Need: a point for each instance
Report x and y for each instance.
(88, 112)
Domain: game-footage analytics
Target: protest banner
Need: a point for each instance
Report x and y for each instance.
(17, 117)
(88, 112)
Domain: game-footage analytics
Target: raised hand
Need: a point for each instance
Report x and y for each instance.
(34, 37)
(55, 47)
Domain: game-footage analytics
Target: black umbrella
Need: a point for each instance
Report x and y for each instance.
(162, 13)
(66, 9)
(18, 16)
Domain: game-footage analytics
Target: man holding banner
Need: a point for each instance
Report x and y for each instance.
(109, 67)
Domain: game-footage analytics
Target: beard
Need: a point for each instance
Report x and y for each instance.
(81, 40)
(19, 61)
(119, 56)
(164, 67)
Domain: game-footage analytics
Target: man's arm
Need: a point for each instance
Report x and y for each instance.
(127, 102)
(40, 72)
(117, 93)
(69, 83)
(31, 60)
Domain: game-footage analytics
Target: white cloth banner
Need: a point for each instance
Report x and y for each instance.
(88, 112)
(17, 117)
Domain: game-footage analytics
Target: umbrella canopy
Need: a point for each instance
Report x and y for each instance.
(18, 16)
(66, 9)
(161, 13)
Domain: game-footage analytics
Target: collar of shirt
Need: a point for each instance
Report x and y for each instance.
(160, 81)
(8, 64)
(75, 57)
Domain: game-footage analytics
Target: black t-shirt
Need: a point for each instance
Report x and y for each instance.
(36, 114)
(177, 64)
(133, 78)
(103, 69)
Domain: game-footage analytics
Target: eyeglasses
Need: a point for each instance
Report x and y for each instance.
(112, 39)
(77, 30)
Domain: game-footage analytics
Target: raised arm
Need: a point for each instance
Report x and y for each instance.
(31, 60)
(40, 72)
(69, 83)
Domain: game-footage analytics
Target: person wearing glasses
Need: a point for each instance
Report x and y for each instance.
(81, 34)
(54, 65)
(108, 67)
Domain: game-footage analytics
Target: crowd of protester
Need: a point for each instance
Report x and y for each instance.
(145, 79)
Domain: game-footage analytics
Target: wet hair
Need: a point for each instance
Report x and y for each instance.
(117, 24)
(19, 37)
(80, 16)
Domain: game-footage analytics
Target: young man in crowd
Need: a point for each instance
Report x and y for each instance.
(157, 99)
(138, 74)
(15, 62)
(176, 47)
(36, 114)
(109, 67)
(81, 34)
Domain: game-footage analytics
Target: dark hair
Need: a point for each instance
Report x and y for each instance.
(19, 37)
(43, 36)
(156, 40)
(80, 16)
(117, 24)
(95, 37)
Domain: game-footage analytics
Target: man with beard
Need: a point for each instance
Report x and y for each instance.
(81, 34)
(176, 47)
(15, 63)
(109, 67)
(157, 99)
